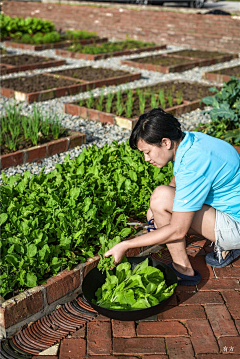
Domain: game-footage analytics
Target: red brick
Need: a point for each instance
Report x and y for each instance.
(180, 348)
(74, 89)
(232, 299)
(218, 284)
(80, 333)
(182, 313)
(57, 146)
(228, 272)
(83, 112)
(99, 338)
(32, 97)
(158, 356)
(202, 337)
(236, 263)
(77, 140)
(93, 115)
(90, 264)
(36, 153)
(138, 346)
(123, 329)
(106, 117)
(232, 344)
(61, 91)
(108, 357)
(45, 357)
(101, 318)
(220, 320)
(46, 95)
(202, 267)
(161, 329)
(63, 283)
(237, 322)
(71, 109)
(72, 349)
(23, 306)
(199, 298)
(218, 356)
(12, 159)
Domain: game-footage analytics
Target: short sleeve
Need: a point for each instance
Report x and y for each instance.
(191, 191)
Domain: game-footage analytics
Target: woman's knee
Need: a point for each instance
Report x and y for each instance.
(162, 198)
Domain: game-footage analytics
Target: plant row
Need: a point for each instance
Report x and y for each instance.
(15, 128)
(109, 47)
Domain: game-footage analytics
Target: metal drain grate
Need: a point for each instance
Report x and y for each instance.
(48, 330)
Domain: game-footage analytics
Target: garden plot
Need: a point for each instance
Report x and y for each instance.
(24, 62)
(108, 49)
(62, 83)
(223, 74)
(178, 61)
(124, 108)
(25, 139)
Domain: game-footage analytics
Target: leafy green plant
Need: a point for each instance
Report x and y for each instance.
(100, 102)
(133, 289)
(225, 113)
(90, 101)
(109, 102)
(179, 97)
(129, 103)
(54, 221)
(161, 97)
(80, 35)
(154, 102)
(119, 105)
(169, 98)
(142, 102)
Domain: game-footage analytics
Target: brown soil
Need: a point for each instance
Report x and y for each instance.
(162, 60)
(190, 91)
(135, 107)
(35, 83)
(231, 71)
(25, 59)
(199, 54)
(91, 74)
(22, 144)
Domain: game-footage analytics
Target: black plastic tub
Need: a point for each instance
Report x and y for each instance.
(95, 279)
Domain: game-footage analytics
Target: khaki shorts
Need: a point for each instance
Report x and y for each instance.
(227, 232)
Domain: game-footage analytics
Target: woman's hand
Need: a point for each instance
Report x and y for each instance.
(117, 252)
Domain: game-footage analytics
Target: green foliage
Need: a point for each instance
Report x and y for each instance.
(79, 35)
(225, 113)
(140, 288)
(54, 221)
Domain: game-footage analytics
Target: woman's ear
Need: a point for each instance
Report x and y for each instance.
(167, 143)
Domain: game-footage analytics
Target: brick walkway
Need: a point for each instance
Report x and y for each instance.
(200, 322)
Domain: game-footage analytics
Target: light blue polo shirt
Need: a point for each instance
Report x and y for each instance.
(207, 171)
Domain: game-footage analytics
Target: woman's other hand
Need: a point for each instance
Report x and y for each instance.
(117, 252)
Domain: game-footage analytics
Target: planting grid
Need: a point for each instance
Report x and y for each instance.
(201, 322)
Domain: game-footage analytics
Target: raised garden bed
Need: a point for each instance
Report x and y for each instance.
(124, 108)
(108, 50)
(50, 85)
(178, 61)
(55, 45)
(223, 75)
(24, 62)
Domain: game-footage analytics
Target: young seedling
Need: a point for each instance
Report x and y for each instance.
(100, 102)
(90, 101)
(179, 97)
(119, 104)
(109, 102)
(154, 101)
(142, 102)
(161, 97)
(129, 103)
(169, 98)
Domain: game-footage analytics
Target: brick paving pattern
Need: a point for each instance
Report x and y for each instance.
(200, 322)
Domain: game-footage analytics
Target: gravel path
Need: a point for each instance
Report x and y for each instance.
(97, 133)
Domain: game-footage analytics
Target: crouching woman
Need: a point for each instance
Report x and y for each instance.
(203, 196)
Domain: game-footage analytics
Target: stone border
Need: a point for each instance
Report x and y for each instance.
(78, 86)
(78, 55)
(48, 149)
(56, 45)
(9, 69)
(39, 301)
(178, 68)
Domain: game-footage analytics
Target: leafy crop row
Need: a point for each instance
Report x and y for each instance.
(225, 113)
(54, 221)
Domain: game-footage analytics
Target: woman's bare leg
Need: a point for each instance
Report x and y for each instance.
(203, 223)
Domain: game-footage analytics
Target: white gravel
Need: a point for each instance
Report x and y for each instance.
(97, 133)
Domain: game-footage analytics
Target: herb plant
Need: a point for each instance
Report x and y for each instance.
(140, 288)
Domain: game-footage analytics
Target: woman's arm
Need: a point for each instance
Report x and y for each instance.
(172, 183)
(177, 229)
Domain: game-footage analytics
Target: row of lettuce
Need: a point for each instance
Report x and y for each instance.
(54, 221)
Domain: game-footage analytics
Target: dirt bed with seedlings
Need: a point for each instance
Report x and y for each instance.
(163, 60)
(233, 71)
(91, 74)
(25, 59)
(35, 83)
(199, 54)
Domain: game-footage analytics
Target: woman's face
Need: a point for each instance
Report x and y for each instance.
(157, 156)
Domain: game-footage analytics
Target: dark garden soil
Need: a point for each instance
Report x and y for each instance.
(233, 71)
(91, 74)
(3, 51)
(199, 54)
(25, 59)
(163, 60)
(135, 106)
(190, 91)
(35, 83)
(22, 144)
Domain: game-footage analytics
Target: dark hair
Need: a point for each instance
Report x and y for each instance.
(155, 125)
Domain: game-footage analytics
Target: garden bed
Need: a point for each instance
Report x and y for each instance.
(124, 108)
(55, 45)
(50, 85)
(108, 50)
(24, 62)
(222, 75)
(178, 61)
